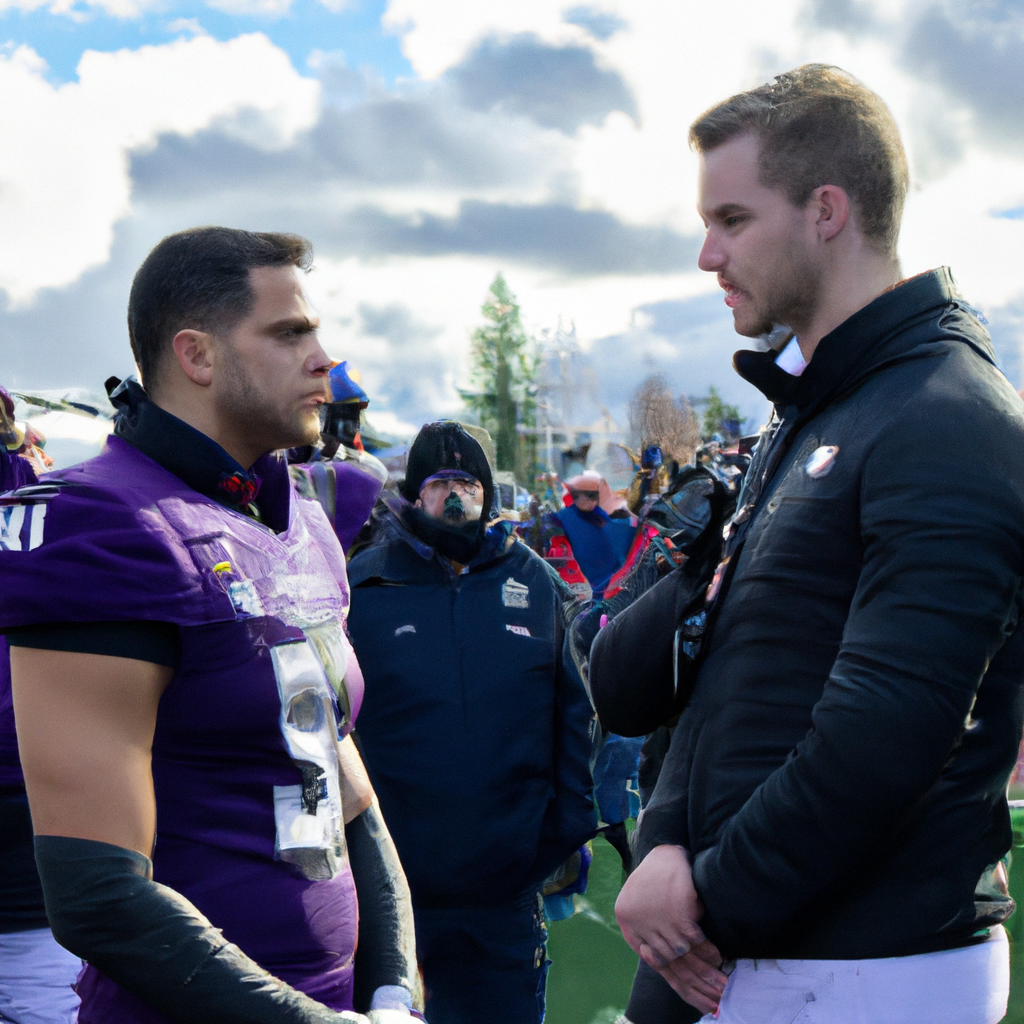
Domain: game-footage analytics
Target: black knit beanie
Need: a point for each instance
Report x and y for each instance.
(446, 445)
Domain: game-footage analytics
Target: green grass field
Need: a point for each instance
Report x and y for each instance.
(591, 966)
(1015, 1011)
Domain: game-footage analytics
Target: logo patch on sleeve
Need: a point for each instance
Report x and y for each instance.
(514, 594)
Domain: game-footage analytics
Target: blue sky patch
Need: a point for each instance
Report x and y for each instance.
(308, 26)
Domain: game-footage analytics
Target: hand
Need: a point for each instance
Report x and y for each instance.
(658, 910)
(658, 907)
(695, 977)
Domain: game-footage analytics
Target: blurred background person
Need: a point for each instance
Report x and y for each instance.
(595, 529)
(338, 472)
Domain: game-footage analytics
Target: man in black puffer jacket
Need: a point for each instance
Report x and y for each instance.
(832, 809)
(474, 727)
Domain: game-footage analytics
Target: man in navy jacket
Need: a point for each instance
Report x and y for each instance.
(474, 728)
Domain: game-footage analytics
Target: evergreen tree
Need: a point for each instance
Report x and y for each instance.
(504, 370)
(720, 418)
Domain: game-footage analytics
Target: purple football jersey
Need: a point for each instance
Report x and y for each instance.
(245, 759)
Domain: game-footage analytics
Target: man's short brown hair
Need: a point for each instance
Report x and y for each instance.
(199, 279)
(817, 125)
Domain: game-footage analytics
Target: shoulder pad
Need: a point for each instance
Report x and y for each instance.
(32, 493)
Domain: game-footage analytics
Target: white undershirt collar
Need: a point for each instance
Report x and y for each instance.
(791, 359)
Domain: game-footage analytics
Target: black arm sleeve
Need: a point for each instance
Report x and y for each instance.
(104, 907)
(386, 954)
(156, 642)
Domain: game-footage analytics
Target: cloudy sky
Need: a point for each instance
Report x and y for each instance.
(424, 145)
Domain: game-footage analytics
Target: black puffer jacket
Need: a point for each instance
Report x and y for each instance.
(839, 775)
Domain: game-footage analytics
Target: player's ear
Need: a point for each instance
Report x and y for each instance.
(193, 350)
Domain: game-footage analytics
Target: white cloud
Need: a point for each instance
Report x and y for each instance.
(447, 293)
(80, 10)
(437, 36)
(64, 183)
(189, 26)
(951, 221)
(29, 5)
(680, 56)
(64, 178)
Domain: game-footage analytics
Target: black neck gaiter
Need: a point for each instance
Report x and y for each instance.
(460, 542)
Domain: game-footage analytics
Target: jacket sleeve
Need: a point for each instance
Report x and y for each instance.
(571, 818)
(941, 523)
(632, 676)
(386, 952)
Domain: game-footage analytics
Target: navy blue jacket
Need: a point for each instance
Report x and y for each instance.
(476, 731)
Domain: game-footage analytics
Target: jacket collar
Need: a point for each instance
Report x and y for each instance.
(499, 537)
(874, 335)
(199, 461)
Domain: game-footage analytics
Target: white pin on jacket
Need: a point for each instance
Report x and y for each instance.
(821, 461)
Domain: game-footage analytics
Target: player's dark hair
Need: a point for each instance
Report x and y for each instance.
(817, 125)
(199, 279)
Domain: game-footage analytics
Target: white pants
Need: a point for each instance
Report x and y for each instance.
(36, 975)
(955, 986)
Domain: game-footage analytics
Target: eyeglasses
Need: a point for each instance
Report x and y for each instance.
(590, 495)
(463, 488)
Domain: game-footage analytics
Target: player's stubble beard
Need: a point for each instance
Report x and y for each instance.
(261, 415)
